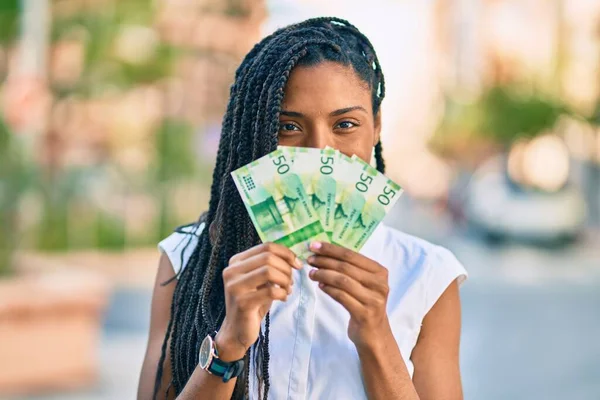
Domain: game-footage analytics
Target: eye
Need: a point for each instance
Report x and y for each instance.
(288, 127)
(346, 125)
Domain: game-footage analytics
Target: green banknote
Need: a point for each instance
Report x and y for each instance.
(278, 204)
(349, 201)
(316, 168)
(289, 152)
(380, 194)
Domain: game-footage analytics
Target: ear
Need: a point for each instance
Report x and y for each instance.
(377, 127)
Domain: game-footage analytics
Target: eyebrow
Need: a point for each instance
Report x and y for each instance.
(335, 113)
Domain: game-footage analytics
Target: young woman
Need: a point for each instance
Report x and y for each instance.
(380, 324)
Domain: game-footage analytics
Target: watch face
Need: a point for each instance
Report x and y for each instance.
(205, 352)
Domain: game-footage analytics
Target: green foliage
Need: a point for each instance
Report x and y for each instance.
(7, 206)
(65, 225)
(100, 30)
(595, 117)
(174, 160)
(509, 115)
(501, 114)
(69, 218)
(152, 70)
(53, 230)
(110, 232)
(15, 179)
(9, 20)
(175, 156)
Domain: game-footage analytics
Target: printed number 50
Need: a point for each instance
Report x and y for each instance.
(326, 169)
(361, 186)
(281, 167)
(383, 198)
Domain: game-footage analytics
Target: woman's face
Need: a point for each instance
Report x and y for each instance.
(329, 105)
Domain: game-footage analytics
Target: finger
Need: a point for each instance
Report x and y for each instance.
(257, 261)
(276, 249)
(258, 298)
(343, 254)
(261, 276)
(343, 282)
(366, 278)
(354, 307)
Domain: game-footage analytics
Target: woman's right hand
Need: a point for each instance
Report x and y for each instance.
(253, 280)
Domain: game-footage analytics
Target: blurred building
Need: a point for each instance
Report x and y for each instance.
(217, 35)
(95, 88)
(552, 44)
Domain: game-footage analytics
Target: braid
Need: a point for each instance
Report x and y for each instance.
(250, 130)
(378, 83)
(266, 356)
(379, 158)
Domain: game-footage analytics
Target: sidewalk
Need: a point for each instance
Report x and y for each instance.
(121, 356)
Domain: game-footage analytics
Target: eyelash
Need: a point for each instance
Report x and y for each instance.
(281, 126)
(354, 124)
(296, 128)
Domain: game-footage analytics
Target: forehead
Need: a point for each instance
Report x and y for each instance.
(325, 87)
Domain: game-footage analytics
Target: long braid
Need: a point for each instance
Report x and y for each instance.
(379, 158)
(196, 256)
(233, 150)
(266, 356)
(249, 130)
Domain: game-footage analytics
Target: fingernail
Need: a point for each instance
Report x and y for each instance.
(298, 263)
(312, 272)
(321, 285)
(311, 259)
(316, 245)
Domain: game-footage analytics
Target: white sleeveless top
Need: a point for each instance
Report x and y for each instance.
(311, 356)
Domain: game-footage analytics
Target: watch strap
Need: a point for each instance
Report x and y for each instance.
(226, 370)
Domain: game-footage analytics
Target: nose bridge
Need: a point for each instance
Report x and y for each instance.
(320, 136)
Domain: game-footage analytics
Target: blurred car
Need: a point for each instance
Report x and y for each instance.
(499, 208)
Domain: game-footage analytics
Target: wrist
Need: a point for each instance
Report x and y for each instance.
(228, 347)
(373, 345)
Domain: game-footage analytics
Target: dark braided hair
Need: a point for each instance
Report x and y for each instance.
(249, 131)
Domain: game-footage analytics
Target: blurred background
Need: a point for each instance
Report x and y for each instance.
(109, 125)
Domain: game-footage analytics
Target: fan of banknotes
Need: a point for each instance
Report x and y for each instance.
(295, 195)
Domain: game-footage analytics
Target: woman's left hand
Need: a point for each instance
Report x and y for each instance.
(357, 283)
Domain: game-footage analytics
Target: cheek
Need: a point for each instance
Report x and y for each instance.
(361, 145)
(293, 141)
(364, 154)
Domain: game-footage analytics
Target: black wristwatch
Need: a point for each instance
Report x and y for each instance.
(209, 361)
